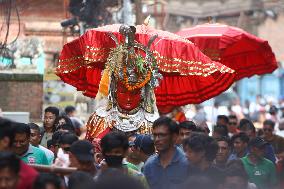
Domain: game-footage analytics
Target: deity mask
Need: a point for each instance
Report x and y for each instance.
(127, 100)
(133, 75)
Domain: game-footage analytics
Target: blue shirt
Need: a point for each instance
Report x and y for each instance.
(269, 153)
(171, 176)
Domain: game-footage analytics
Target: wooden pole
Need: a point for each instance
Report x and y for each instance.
(138, 10)
(53, 169)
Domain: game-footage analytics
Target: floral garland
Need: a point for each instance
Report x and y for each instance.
(137, 85)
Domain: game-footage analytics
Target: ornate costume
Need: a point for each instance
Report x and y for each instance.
(128, 75)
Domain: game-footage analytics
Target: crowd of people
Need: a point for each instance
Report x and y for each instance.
(234, 155)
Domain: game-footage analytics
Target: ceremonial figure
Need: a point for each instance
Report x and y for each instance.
(114, 65)
(126, 100)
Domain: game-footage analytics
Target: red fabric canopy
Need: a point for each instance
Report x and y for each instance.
(189, 75)
(243, 52)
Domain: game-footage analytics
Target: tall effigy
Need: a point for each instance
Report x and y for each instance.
(126, 93)
(132, 72)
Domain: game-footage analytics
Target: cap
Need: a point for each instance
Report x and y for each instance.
(145, 143)
(257, 142)
(83, 150)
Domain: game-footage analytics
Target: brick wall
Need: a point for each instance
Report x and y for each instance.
(22, 93)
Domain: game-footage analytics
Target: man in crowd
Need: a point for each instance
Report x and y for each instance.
(276, 141)
(233, 124)
(64, 143)
(246, 126)
(114, 147)
(53, 143)
(82, 156)
(133, 161)
(50, 114)
(66, 140)
(222, 120)
(169, 168)
(27, 174)
(236, 177)
(23, 148)
(240, 146)
(80, 128)
(142, 148)
(220, 131)
(186, 128)
(48, 181)
(224, 149)
(35, 141)
(201, 151)
(9, 170)
(260, 170)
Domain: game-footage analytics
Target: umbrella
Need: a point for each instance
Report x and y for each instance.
(243, 52)
(189, 76)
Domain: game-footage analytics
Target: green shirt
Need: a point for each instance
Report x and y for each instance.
(34, 155)
(137, 175)
(262, 174)
(135, 167)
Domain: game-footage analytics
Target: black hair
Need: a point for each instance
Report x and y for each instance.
(200, 182)
(112, 178)
(53, 110)
(270, 123)
(200, 130)
(168, 122)
(225, 139)
(50, 143)
(34, 127)
(43, 179)
(236, 168)
(221, 130)
(67, 127)
(22, 128)
(201, 142)
(242, 136)
(232, 117)
(56, 136)
(114, 140)
(68, 138)
(149, 150)
(224, 117)
(79, 180)
(188, 125)
(246, 123)
(273, 109)
(11, 161)
(65, 117)
(69, 109)
(6, 130)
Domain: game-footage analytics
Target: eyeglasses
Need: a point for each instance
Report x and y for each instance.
(160, 135)
(131, 144)
(233, 123)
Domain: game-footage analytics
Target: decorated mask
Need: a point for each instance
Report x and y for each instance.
(127, 100)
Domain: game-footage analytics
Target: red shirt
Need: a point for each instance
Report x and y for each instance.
(27, 176)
